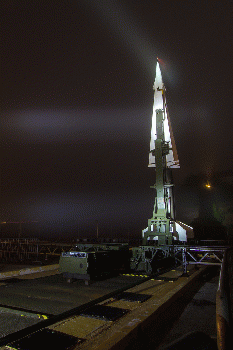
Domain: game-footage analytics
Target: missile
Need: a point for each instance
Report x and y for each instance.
(172, 160)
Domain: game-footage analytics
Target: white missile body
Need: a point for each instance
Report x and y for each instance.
(160, 103)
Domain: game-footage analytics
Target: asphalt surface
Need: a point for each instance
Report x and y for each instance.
(27, 302)
(53, 295)
(10, 322)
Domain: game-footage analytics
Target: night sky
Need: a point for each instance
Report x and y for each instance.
(76, 107)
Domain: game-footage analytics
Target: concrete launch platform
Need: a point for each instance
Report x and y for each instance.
(147, 323)
(148, 314)
(143, 322)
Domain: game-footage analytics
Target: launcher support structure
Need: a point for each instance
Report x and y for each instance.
(163, 157)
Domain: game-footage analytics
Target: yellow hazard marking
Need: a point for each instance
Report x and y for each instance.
(153, 279)
(42, 316)
(133, 275)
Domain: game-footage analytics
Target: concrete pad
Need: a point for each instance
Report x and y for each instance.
(80, 326)
(143, 321)
(123, 304)
(28, 271)
(39, 274)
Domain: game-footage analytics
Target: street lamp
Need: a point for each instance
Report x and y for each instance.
(208, 185)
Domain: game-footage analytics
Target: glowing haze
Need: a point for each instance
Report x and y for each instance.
(77, 101)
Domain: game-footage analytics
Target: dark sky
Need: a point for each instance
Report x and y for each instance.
(76, 106)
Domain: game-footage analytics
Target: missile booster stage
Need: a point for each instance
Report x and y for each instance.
(163, 156)
(162, 230)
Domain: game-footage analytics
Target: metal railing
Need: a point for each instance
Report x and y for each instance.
(30, 249)
(199, 255)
